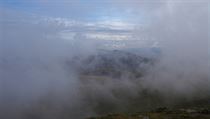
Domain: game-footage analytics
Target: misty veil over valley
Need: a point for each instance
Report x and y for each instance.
(108, 59)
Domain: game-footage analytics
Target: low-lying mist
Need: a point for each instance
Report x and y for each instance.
(42, 75)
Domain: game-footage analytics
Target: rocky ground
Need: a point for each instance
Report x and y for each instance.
(164, 113)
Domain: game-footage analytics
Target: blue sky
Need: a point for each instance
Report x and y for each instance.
(20, 5)
(74, 9)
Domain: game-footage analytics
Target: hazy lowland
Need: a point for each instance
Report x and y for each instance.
(120, 59)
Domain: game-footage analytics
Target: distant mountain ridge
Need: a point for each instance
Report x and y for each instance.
(114, 63)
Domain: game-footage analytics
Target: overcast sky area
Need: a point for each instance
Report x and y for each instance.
(103, 20)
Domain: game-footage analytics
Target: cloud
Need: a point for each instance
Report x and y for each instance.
(36, 80)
